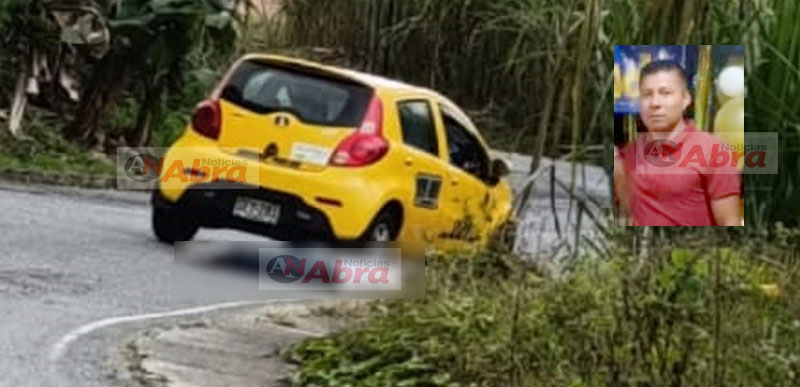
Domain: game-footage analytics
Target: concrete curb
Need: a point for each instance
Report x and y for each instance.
(230, 348)
(46, 187)
(33, 176)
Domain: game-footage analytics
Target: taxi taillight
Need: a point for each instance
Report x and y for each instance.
(367, 144)
(207, 119)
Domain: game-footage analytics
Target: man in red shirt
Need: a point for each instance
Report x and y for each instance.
(675, 175)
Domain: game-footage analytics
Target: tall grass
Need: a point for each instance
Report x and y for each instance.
(773, 105)
(529, 71)
(537, 74)
(696, 314)
(771, 36)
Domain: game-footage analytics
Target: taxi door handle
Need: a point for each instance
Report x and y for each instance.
(408, 161)
(454, 181)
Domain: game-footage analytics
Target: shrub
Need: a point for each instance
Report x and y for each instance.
(691, 316)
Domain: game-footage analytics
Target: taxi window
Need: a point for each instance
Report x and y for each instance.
(466, 152)
(313, 98)
(416, 122)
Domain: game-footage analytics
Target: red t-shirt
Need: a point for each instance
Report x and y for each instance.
(672, 182)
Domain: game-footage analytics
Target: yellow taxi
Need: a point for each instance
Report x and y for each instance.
(332, 154)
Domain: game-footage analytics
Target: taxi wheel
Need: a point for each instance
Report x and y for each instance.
(384, 228)
(170, 226)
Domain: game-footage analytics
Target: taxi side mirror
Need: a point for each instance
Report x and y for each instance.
(499, 169)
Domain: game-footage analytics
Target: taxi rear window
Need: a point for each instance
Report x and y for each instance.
(313, 98)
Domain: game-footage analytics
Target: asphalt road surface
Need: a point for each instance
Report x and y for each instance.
(68, 260)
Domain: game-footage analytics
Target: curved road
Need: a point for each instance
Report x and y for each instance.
(68, 259)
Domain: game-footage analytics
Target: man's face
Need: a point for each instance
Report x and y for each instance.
(662, 99)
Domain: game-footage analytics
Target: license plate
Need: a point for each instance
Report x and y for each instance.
(256, 210)
(307, 153)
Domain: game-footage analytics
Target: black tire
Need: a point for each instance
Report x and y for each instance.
(170, 225)
(387, 223)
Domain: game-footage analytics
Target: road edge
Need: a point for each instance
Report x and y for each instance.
(135, 197)
(145, 363)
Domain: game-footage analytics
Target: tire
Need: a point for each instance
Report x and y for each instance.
(170, 225)
(384, 228)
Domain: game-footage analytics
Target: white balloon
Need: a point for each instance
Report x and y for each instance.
(731, 81)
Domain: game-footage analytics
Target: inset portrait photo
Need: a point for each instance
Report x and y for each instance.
(679, 136)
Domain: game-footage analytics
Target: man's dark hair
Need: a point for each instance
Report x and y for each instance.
(664, 65)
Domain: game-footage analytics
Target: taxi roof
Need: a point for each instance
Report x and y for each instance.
(367, 79)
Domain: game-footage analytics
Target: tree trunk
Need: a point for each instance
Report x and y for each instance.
(18, 105)
(144, 118)
(545, 120)
(104, 86)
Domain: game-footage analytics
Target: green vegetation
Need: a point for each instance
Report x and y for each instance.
(534, 75)
(688, 313)
(42, 150)
(112, 73)
(773, 105)
(537, 75)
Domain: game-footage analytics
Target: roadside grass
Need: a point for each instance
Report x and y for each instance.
(45, 150)
(720, 310)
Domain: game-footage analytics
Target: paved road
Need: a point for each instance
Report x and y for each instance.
(66, 261)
